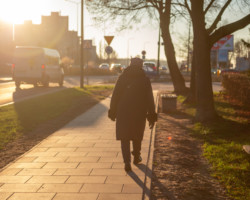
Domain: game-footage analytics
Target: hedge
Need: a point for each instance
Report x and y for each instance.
(237, 86)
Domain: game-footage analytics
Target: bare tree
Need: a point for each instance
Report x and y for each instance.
(206, 34)
(128, 11)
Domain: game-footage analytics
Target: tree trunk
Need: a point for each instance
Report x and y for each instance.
(205, 110)
(176, 76)
(191, 98)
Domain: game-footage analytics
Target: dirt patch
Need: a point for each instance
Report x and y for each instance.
(21, 145)
(180, 172)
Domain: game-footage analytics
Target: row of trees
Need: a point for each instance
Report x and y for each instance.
(205, 16)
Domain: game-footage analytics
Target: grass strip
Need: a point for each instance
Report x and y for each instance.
(22, 117)
(223, 140)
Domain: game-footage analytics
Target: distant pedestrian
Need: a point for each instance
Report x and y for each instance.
(131, 104)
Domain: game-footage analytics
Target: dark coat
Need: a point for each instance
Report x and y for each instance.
(131, 102)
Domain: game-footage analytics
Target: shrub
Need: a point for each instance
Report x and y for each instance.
(237, 86)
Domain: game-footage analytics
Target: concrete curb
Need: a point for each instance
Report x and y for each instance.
(148, 173)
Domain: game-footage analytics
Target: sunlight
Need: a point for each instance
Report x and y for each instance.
(16, 11)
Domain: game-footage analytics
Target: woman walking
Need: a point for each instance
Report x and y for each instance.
(131, 104)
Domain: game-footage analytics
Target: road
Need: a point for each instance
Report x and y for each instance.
(10, 94)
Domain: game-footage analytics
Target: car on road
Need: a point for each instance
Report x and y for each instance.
(104, 66)
(36, 65)
(163, 70)
(116, 67)
(150, 69)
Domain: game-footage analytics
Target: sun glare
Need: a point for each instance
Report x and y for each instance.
(17, 11)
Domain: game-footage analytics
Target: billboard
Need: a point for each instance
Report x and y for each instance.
(222, 55)
(225, 43)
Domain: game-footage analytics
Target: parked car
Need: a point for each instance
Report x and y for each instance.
(223, 71)
(150, 69)
(163, 70)
(36, 65)
(116, 68)
(104, 66)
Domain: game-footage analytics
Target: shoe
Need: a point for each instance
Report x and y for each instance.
(137, 159)
(128, 167)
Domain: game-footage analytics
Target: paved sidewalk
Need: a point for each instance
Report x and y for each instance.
(80, 161)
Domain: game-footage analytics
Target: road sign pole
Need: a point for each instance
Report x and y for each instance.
(158, 53)
(82, 52)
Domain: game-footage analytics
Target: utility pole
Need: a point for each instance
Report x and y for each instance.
(82, 52)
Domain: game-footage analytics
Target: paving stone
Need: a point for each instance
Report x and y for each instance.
(60, 188)
(34, 172)
(39, 149)
(98, 149)
(124, 179)
(27, 165)
(83, 144)
(37, 154)
(118, 165)
(120, 197)
(112, 160)
(83, 196)
(95, 165)
(53, 145)
(25, 159)
(5, 195)
(86, 179)
(102, 188)
(14, 179)
(20, 187)
(132, 189)
(48, 179)
(71, 154)
(60, 165)
(73, 172)
(50, 159)
(107, 145)
(69, 149)
(82, 159)
(108, 172)
(10, 171)
(103, 154)
(32, 196)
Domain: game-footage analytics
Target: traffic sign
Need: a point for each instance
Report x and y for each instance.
(109, 39)
(143, 52)
(87, 44)
(108, 49)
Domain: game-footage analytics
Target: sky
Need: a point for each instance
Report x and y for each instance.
(125, 43)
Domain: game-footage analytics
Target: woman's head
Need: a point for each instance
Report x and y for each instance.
(136, 62)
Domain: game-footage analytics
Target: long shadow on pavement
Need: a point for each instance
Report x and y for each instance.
(148, 174)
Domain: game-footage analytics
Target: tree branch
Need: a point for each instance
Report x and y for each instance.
(187, 6)
(218, 18)
(208, 7)
(229, 28)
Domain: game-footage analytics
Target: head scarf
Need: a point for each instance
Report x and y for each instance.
(136, 62)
